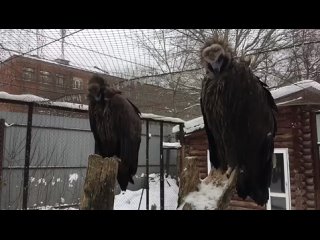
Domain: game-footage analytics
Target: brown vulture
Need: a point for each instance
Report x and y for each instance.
(116, 126)
(239, 119)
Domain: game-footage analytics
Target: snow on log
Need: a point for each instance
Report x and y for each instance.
(212, 193)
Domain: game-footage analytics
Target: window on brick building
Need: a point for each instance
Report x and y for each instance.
(45, 77)
(59, 80)
(77, 83)
(27, 74)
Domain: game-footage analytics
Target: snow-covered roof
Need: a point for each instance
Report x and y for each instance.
(41, 100)
(161, 118)
(191, 126)
(197, 123)
(47, 102)
(293, 88)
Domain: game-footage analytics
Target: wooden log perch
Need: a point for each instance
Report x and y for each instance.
(189, 179)
(99, 186)
(213, 193)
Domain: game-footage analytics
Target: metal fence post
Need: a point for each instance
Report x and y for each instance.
(181, 139)
(147, 164)
(161, 169)
(27, 158)
(2, 126)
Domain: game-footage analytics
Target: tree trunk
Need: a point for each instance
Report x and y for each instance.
(100, 183)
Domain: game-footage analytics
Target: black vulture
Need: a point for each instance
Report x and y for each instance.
(116, 126)
(239, 119)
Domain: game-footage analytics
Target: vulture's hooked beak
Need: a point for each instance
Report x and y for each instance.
(216, 66)
(97, 98)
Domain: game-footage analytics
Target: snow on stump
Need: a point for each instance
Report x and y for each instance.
(213, 193)
(100, 183)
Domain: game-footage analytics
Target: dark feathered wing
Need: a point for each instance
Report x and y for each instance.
(134, 107)
(271, 104)
(94, 129)
(212, 151)
(127, 125)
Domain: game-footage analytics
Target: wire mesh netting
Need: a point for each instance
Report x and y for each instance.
(157, 69)
(120, 52)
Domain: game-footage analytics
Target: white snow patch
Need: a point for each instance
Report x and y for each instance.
(206, 198)
(153, 175)
(296, 87)
(59, 180)
(194, 105)
(58, 207)
(32, 179)
(62, 200)
(8, 125)
(161, 118)
(42, 180)
(42, 101)
(171, 145)
(290, 101)
(22, 97)
(129, 200)
(190, 126)
(72, 178)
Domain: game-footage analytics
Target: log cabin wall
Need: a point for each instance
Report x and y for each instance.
(297, 132)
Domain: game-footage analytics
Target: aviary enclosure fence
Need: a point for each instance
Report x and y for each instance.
(43, 155)
(44, 151)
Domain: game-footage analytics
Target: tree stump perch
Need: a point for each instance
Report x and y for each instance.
(189, 179)
(99, 186)
(214, 192)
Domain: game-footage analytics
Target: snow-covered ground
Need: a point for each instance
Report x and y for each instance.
(129, 200)
(52, 208)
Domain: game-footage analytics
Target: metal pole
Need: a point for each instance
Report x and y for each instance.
(2, 126)
(181, 139)
(27, 159)
(161, 169)
(147, 164)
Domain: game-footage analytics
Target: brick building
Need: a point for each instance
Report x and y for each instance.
(59, 81)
